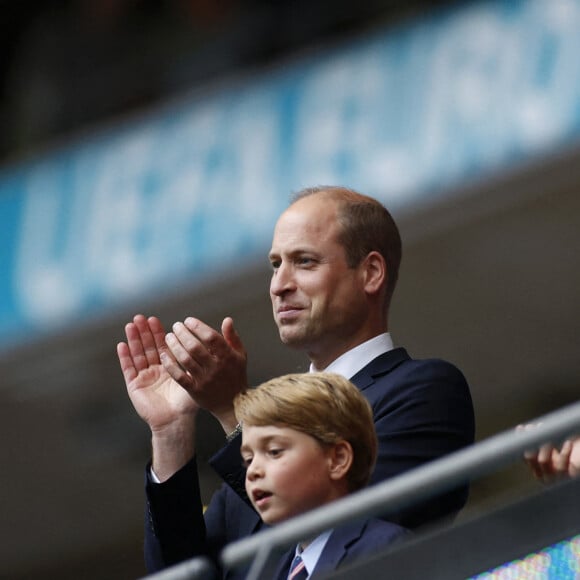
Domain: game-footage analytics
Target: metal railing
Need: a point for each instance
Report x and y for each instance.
(264, 548)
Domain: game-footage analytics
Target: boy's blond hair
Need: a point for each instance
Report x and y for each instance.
(325, 406)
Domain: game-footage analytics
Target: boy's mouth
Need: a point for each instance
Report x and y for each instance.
(259, 497)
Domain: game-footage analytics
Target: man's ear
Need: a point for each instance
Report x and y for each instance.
(375, 272)
(340, 459)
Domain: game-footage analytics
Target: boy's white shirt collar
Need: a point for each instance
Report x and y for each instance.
(352, 361)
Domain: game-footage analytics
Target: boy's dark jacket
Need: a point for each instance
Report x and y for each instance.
(422, 411)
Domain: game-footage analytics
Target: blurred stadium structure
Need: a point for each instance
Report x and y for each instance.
(122, 119)
(67, 64)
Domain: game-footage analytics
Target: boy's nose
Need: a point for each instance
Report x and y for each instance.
(253, 471)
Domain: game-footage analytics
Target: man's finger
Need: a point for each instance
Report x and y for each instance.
(176, 371)
(147, 339)
(231, 336)
(135, 345)
(126, 362)
(158, 332)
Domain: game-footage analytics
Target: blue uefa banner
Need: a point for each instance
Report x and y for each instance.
(195, 187)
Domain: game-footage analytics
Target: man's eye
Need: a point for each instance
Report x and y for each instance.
(304, 261)
(275, 265)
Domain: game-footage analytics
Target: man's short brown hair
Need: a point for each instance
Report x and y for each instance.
(366, 225)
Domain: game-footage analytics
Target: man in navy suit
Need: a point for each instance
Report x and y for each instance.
(335, 259)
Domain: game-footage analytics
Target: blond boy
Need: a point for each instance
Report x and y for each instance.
(307, 440)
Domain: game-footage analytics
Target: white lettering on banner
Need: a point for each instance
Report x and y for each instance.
(330, 127)
(387, 141)
(254, 135)
(195, 187)
(48, 250)
(120, 219)
(500, 86)
(464, 118)
(547, 102)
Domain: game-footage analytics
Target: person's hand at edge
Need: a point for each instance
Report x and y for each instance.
(549, 463)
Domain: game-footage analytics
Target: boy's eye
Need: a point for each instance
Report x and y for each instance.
(275, 452)
(246, 461)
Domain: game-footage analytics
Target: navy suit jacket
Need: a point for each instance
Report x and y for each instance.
(347, 544)
(422, 411)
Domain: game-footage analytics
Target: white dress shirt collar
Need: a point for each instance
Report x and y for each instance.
(352, 361)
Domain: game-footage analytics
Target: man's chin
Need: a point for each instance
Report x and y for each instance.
(292, 339)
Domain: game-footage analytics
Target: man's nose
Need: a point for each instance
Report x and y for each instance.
(282, 280)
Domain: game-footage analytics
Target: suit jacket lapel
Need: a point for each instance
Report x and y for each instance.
(336, 548)
(379, 366)
(284, 565)
(252, 523)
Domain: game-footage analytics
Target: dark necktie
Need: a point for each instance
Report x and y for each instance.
(298, 570)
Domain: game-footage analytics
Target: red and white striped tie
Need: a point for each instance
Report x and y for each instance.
(298, 570)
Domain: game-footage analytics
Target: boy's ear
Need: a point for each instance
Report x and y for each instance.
(340, 460)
